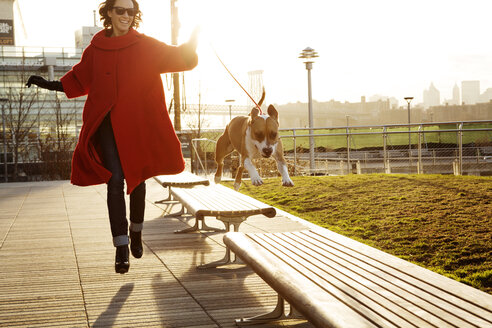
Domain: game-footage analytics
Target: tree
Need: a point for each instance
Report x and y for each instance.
(57, 145)
(21, 117)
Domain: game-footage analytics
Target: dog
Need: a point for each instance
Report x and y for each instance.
(253, 136)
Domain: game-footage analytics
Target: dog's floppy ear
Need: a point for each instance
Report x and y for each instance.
(272, 112)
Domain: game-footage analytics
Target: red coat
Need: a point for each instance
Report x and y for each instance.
(121, 75)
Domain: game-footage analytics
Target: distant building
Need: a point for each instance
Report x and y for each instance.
(83, 36)
(7, 23)
(432, 97)
(453, 113)
(470, 92)
(456, 95)
(18, 63)
(486, 96)
(333, 113)
(394, 103)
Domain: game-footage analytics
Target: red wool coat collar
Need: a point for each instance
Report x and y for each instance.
(101, 41)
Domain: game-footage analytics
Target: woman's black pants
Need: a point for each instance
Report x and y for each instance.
(116, 193)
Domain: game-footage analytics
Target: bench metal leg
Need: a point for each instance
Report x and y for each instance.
(180, 213)
(223, 261)
(205, 227)
(169, 197)
(294, 314)
(190, 229)
(196, 227)
(277, 314)
(227, 258)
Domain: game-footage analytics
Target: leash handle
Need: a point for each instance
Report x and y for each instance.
(228, 71)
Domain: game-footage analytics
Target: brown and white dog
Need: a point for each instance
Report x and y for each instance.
(252, 136)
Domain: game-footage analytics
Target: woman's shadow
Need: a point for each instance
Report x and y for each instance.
(107, 318)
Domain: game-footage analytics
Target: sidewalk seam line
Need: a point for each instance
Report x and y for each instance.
(15, 218)
(76, 261)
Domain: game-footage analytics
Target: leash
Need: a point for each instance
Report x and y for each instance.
(232, 75)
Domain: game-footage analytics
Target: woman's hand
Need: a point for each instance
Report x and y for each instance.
(193, 41)
(42, 83)
(36, 80)
(189, 53)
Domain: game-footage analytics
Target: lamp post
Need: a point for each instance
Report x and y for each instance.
(409, 100)
(308, 55)
(3, 101)
(230, 101)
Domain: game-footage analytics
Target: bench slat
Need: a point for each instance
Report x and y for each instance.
(474, 297)
(285, 280)
(306, 266)
(383, 301)
(183, 180)
(395, 288)
(228, 206)
(425, 280)
(219, 200)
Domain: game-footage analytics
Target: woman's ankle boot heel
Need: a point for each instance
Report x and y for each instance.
(122, 261)
(136, 244)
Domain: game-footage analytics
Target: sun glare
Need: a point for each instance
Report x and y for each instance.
(365, 47)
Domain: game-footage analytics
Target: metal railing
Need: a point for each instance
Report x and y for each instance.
(433, 148)
(442, 147)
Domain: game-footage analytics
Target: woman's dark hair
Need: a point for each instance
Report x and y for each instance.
(109, 4)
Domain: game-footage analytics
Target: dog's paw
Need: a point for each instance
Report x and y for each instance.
(287, 182)
(237, 186)
(218, 179)
(256, 181)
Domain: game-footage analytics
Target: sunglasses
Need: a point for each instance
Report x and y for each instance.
(121, 11)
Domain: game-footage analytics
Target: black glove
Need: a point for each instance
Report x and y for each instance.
(42, 83)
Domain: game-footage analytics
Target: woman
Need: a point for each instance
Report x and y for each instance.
(126, 133)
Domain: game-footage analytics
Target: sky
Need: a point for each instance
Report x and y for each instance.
(393, 48)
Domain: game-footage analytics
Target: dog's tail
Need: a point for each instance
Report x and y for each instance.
(262, 97)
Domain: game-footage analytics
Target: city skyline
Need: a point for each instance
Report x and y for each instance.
(380, 47)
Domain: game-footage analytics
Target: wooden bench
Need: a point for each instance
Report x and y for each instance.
(182, 180)
(225, 204)
(334, 281)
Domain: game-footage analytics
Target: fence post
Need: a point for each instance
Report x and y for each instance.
(460, 145)
(349, 169)
(387, 168)
(295, 151)
(385, 153)
(419, 150)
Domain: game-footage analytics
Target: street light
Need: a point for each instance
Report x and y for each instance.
(230, 101)
(308, 55)
(409, 100)
(3, 101)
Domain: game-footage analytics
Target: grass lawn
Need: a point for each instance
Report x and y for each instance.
(443, 223)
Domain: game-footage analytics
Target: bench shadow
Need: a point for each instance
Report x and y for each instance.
(108, 317)
(172, 210)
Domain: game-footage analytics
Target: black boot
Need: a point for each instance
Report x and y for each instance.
(122, 261)
(136, 244)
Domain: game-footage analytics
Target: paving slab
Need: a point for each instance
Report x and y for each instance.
(57, 264)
